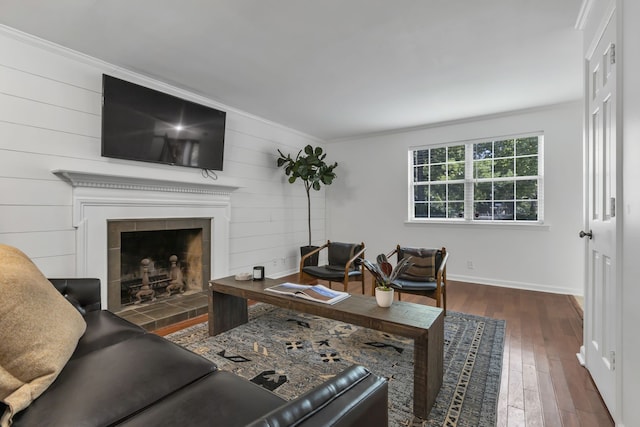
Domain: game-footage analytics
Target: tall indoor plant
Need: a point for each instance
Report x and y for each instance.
(308, 165)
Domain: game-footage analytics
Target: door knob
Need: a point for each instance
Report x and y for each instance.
(583, 234)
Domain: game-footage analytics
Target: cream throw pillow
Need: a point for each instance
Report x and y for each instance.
(39, 330)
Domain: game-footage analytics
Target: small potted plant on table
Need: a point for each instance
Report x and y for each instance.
(384, 275)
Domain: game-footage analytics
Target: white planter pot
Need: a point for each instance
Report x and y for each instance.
(384, 298)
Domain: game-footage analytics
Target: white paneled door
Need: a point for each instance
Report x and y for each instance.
(601, 233)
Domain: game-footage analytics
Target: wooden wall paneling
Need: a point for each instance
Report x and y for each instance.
(41, 142)
(43, 244)
(32, 113)
(34, 218)
(42, 89)
(42, 58)
(57, 266)
(34, 192)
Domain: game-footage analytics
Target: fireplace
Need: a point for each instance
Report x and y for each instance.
(105, 205)
(156, 259)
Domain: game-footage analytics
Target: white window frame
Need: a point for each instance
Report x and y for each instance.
(470, 181)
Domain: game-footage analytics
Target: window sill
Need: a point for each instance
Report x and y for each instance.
(478, 224)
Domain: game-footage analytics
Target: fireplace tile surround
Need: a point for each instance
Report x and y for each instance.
(115, 228)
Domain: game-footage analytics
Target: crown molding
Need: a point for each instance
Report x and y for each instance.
(144, 79)
(456, 122)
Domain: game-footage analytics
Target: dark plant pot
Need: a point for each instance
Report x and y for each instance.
(313, 259)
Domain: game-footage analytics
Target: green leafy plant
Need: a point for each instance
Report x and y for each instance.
(383, 273)
(308, 165)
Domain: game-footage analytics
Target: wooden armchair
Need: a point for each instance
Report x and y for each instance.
(343, 264)
(427, 276)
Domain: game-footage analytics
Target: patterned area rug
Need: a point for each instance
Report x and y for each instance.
(289, 353)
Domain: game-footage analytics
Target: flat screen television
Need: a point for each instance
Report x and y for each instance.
(143, 124)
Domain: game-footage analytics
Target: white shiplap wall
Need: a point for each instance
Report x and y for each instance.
(50, 118)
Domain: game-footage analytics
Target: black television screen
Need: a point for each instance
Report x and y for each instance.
(143, 124)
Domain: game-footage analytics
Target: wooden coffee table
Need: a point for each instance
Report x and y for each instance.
(424, 324)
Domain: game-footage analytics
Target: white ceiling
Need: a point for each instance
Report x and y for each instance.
(333, 68)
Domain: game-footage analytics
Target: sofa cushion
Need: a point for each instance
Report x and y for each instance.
(104, 329)
(106, 386)
(39, 331)
(83, 292)
(220, 399)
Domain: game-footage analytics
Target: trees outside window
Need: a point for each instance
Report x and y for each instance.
(489, 180)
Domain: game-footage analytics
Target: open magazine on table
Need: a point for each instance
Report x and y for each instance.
(317, 293)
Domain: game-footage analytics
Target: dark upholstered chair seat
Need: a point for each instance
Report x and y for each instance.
(410, 285)
(327, 273)
(343, 264)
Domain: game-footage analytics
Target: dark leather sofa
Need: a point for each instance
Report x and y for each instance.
(122, 375)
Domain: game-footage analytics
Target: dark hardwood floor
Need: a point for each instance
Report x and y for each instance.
(542, 382)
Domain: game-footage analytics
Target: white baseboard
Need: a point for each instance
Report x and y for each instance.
(581, 356)
(280, 274)
(510, 284)
(478, 280)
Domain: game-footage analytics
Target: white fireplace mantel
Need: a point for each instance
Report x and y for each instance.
(99, 198)
(121, 182)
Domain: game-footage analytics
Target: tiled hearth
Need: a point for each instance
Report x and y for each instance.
(160, 313)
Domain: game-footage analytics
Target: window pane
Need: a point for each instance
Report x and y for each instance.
(527, 146)
(420, 193)
(438, 193)
(456, 171)
(503, 211)
(483, 169)
(503, 168)
(439, 155)
(421, 210)
(483, 150)
(527, 166)
(420, 157)
(456, 154)
(482, 211)
(527, 189)
(504, 148)
(455, 210)
(483, 191)
(527, 211)
(438, 172)
(438, 210)
(503, 190)
(421, 174)
(456, 191)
